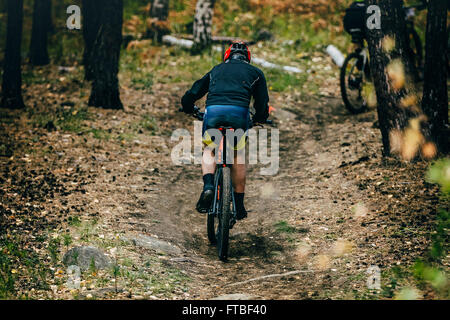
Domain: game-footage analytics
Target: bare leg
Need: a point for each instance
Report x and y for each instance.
(208, 161)
(238, 174)
(208, 168)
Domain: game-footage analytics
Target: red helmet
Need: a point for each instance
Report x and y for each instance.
(238, 47)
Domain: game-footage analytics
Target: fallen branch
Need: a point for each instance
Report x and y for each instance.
(276, 275)
(270, 65)
(217, 39)
(179, 42)
(266, 64)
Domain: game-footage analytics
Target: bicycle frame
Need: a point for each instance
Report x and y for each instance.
(216, 207)
(222, 152)
(366, 68)
(363, 52)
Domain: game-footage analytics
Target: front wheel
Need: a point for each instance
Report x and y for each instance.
(352, 82)
(224, 215)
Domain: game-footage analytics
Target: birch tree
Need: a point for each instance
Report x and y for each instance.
(204, 11)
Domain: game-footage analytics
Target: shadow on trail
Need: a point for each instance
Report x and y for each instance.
(255, 246)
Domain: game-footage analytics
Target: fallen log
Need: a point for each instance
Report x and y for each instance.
(185, 43)
(217, 39)
(178, 42)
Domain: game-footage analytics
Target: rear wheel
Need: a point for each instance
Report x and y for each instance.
(225, 215)
(211, 225)
(352, 81)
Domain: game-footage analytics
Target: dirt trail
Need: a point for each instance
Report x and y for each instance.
(310, 216)
(296, 216)
(308, 195)
(334, 208)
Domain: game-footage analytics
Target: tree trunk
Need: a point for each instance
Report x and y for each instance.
(203, 24)
(49, 18)
(106, 56)
(435, 94)
(40, 30)
(91, 24)
(160, 9)
(157, 24)
(12, 77)
(391, 115)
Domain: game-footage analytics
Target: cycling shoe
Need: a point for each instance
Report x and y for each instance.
(204, 203)
(241, 214)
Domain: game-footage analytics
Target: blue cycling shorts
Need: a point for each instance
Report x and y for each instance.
(226, 116)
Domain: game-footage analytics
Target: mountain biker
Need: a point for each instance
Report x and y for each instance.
(230, 87)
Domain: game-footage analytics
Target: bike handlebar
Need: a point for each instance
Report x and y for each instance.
(200, 115)
(196, 114)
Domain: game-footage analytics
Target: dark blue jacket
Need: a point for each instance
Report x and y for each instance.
(233, 82)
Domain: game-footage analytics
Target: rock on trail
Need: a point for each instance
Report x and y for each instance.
(154, 244)
(84, 256)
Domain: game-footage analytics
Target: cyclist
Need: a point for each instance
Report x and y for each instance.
(230, 87)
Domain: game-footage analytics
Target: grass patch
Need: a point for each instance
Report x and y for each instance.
(167, 283)
(126, 137)
(284, 227)
(71, 119)
(150, 65)
(17, 263)
(143, 82)
(428, 273)
(30, 77)
(147, 124)
(100, 134)
(279, 81)
(64, 118)
(74, 221)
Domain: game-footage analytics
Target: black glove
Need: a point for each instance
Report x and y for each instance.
(188, 105)
(188, 110)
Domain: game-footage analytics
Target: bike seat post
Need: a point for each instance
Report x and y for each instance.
(224, 148)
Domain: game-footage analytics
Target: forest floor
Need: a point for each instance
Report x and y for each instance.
(75, 175)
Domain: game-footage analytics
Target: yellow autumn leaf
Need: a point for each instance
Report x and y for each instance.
(342, 247)
(412, 140)
(395, 140)
(369, 94)
(396, 73)
(429, 150)
(408, 101)
(388, 44)
(322, 262)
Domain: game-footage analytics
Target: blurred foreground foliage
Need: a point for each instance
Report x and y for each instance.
(431, 269)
